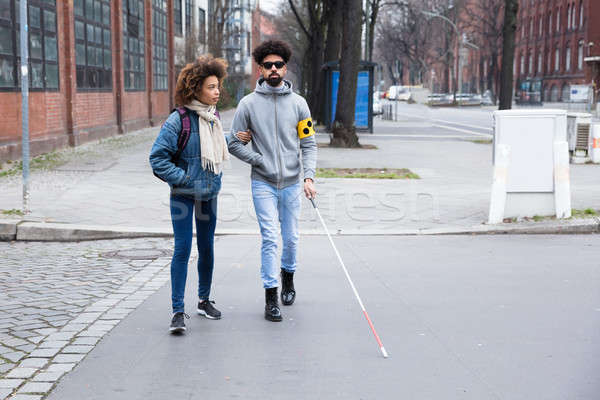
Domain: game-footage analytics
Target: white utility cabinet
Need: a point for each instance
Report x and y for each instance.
(531, 165)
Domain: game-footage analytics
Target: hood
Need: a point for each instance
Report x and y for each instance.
(263, 87)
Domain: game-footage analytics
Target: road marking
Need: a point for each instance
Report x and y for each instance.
(489, 135)
(409, 136)
(448, 122)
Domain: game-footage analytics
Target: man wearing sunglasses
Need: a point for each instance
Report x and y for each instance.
(283, 156)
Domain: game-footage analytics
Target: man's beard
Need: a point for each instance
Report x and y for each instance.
(274, 80)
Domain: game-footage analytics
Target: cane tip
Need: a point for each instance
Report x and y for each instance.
(385, 354)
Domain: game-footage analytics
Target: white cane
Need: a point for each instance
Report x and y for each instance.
(362, 306)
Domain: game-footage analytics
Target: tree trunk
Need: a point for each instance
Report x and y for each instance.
(316, 63)
(508, 53)
(493, 76)
(344, 131)
(372, 22)
(334, 31)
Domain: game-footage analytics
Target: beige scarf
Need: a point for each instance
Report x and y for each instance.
(213, 147)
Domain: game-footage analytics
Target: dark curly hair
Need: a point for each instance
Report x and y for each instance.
(272, 47)
(192, 76)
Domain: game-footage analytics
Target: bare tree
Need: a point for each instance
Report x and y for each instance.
(511, 8)
(484, 20)
(315, 33)
(344, 130)
(220, 12)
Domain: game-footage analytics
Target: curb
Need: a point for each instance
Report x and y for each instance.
(60, 232)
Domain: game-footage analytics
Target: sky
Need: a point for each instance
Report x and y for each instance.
(270, 5)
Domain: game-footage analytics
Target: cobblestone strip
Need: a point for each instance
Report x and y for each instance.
(45, 332)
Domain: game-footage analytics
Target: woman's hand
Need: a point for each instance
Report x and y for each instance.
(244, 136)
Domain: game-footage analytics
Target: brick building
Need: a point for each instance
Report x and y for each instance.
(97, 68)
(554, 39)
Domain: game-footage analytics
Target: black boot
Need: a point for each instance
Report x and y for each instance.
(288, 294)
(272, 312)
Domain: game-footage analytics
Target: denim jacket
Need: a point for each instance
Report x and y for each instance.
(186, 177)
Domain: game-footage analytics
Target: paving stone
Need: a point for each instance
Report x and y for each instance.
(44, 352)
(26, 397)
(6, 367)
(48, 376)
(21, 373)
(73, 327)
(27, 348)
(73, 349)
(34, 362)
(86, 341)
(90, 333)
(59, 367)
(14, 356)
(46, 331)
(53, 344)
(61, 336)
(68, 358)
(10, 383)
(35, 387)
(14, 342)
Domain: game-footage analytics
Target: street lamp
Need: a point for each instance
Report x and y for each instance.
(462, 41)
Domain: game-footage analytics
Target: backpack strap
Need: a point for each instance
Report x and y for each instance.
(184, 134)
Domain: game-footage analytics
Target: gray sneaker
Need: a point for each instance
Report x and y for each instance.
(206, 308)
(178, 323)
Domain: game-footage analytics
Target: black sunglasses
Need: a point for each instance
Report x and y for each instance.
(277, 64)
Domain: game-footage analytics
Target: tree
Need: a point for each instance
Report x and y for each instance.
(374, 6)
(220, 12)
(333, 16)
(344, 131)
(484, 19)
(315, 10)
(511, 8)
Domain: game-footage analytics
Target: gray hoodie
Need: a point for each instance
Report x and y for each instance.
(272, 115)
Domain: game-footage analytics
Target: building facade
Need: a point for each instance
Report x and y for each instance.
(98, 68)
(556, 40)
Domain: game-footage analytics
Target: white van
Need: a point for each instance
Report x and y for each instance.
(400, 93)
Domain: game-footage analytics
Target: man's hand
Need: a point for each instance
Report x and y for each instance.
(244, 136)
(309, 189)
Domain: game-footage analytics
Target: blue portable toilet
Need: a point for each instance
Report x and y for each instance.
(363, 119)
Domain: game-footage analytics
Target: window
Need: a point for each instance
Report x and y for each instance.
(177, 17)
(531, 27)
(522, 69)
(159, 45)
(43, 48)
(134, 70)
(580, 55)
(188, 17)
(93, 44)
(558, 20)
(549, 23)
(540, 60)
(581, 14)
(201, 25)
(568, 59)
(569, 17)
(556, 59)
(530, 63)
(541, 26)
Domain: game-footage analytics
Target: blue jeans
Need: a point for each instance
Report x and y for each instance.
(182, 212)
(272, 205)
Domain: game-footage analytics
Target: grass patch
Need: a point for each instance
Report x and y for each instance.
(13, 212)
(43, 161)
(588, 212)
(482, 141)
(366, 173)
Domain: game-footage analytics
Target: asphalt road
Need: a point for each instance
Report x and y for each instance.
(494, 317)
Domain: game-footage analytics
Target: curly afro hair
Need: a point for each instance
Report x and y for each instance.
(272, 47)
(192, 76)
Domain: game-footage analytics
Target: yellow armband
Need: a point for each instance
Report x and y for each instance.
(305, 128)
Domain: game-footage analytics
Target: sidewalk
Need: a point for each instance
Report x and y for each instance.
(462, 319)
(110, 185)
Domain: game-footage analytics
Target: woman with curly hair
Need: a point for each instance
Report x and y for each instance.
(194, 176)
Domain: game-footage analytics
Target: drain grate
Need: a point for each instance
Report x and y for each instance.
(137, 254)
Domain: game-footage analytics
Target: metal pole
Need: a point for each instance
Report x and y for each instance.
(24, 40)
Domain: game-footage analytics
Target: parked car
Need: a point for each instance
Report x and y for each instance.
(377, 107)
(400, 93)
(487, 99)
(440, 99)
